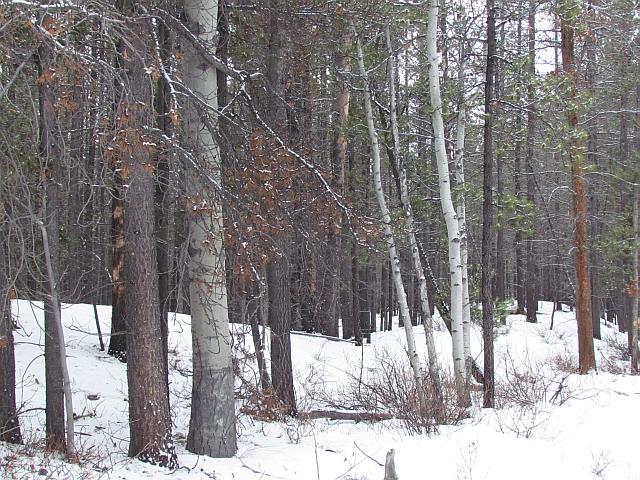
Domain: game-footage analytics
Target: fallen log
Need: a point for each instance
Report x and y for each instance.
(319, 335)
(345, 415)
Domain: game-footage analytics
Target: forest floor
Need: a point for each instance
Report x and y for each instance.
(551, 423)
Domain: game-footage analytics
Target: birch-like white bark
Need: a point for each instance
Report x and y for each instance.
(388, 234)
(458, 161)
(427, 320)
(450, 216)
(212, 429)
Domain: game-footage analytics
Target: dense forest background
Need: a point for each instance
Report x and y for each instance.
(231, 160)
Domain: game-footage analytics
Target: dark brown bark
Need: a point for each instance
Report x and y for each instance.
(501, 253)
(592, 159)
(575, 156)
(162, 103)
(255, 321)
(635, 291)
(487, 212)
(346, 298)
(51, 154)
(278, 269)
(280, 323)
(149, 418)
(520, 258)
(118, 340)
(338, 164)
(77, 287)
(531, 282)
(355, 293)
(9, 422)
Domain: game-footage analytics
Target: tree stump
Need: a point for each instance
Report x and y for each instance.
(390, 466)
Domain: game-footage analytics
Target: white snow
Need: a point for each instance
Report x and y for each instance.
(588, 430)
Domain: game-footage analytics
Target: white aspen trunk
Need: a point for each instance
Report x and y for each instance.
(458, 161)
(212, 429)
(427, 320)
(450, 216)
(66, 382)
(388, 234)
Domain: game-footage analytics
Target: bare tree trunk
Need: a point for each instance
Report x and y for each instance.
(517, 181)
(338, 161)
(149, 417)
(118, 340)
(487, 211)
(575, 156)
(434, 372)
(212, 427)
(355, 294)
(280, 322)
(62, 355)
(635, 291)
(9, 422)
(163, 107)
(453, 234)
(394, 257)
(255, 321)
(532, 270)
(458, 162)
(51, 153)
(278, 269)
(592, 159)
(501, 252)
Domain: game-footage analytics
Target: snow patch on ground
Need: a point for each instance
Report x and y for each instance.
(579, 427)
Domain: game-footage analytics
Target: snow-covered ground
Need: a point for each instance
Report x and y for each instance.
(552, 424)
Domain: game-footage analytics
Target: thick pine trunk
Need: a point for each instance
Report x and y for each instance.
(149, 418)
(278, 269)
(575, 157)
(280, 323)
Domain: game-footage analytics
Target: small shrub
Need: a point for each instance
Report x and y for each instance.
(529, 382)
(389, 389)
